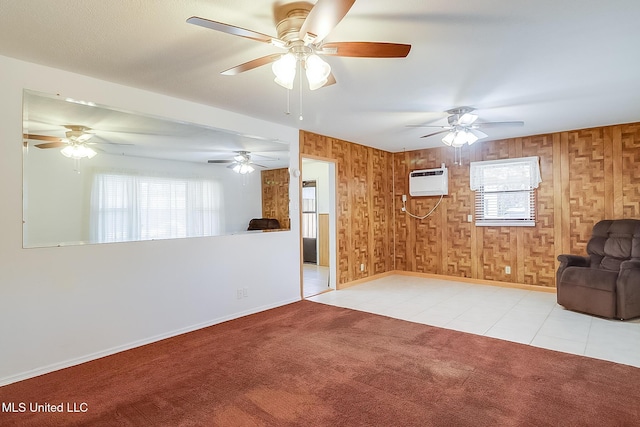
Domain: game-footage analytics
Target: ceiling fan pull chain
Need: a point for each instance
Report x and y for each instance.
(288, 112)
(300, 84)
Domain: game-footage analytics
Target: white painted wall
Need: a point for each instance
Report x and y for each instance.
(63, 305)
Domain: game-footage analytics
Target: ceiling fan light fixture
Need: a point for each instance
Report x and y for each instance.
(471, 138)
(317, 71)
(78, 151)
(243, 168)
(448, 138)
(285, 70)
(460, 138)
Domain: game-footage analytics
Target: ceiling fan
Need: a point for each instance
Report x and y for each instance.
(463, 128)
(302, 28)
(241, 162)
(75, 142)
(75, 134)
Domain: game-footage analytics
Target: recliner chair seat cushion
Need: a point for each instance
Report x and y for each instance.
(604, 280)
(589, 290)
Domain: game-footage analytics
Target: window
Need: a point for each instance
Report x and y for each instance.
(131, 207)
(505, 191)
(309, 216)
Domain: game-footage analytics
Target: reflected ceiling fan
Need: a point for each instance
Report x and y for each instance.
(75, 134)
(463, 128)
(302, 28)
(74, 144)
(241, 163)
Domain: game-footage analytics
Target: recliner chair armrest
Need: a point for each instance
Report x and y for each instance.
(628, 290)
(570, 261)
(573, 260)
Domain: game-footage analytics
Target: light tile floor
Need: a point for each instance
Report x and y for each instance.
(527, 317)
(315, 279)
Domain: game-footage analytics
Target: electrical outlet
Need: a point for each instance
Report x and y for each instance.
(361, 267)
(507, 269)
(239, 294)
(469, 218)
(404, 197)
(245, 292)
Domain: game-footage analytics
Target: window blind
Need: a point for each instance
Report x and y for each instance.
(505, 191)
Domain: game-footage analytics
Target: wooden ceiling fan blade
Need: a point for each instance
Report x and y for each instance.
(233, 30)
(366, 49)
(323, 18)
(435, 133)
(51, 144)
(258, 62)
(41, 137)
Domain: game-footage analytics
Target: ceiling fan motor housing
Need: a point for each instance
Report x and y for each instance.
(288, 29)
(457, 113)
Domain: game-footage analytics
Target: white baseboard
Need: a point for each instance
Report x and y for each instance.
(107, 352)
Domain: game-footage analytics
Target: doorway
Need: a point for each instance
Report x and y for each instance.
(318, 227)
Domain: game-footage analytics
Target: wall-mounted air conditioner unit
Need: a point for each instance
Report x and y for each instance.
(429, 182)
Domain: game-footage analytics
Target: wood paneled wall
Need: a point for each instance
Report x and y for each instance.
(275, 196)
(363, 205)
(587, 175)
(447, 243)
(323, 240)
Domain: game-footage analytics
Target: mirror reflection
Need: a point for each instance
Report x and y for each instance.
(95, 174)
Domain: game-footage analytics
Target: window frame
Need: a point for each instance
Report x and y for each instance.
(500, 180)
(191, 207)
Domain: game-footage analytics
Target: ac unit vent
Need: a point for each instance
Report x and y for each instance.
(429, 182)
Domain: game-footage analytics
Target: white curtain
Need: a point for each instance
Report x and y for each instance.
(521, 173)
(128, 207)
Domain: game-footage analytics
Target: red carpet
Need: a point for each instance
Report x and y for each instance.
(310, 364)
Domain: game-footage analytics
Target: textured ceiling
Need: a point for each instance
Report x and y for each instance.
(556, 65)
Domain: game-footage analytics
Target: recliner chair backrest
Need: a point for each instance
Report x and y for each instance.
(614, 241)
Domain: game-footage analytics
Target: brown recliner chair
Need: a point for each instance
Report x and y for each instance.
(607, 282)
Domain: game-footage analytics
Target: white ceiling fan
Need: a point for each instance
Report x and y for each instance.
(241, 163)
(463, 128)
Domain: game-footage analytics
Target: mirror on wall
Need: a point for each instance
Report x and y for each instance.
(96, 174)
